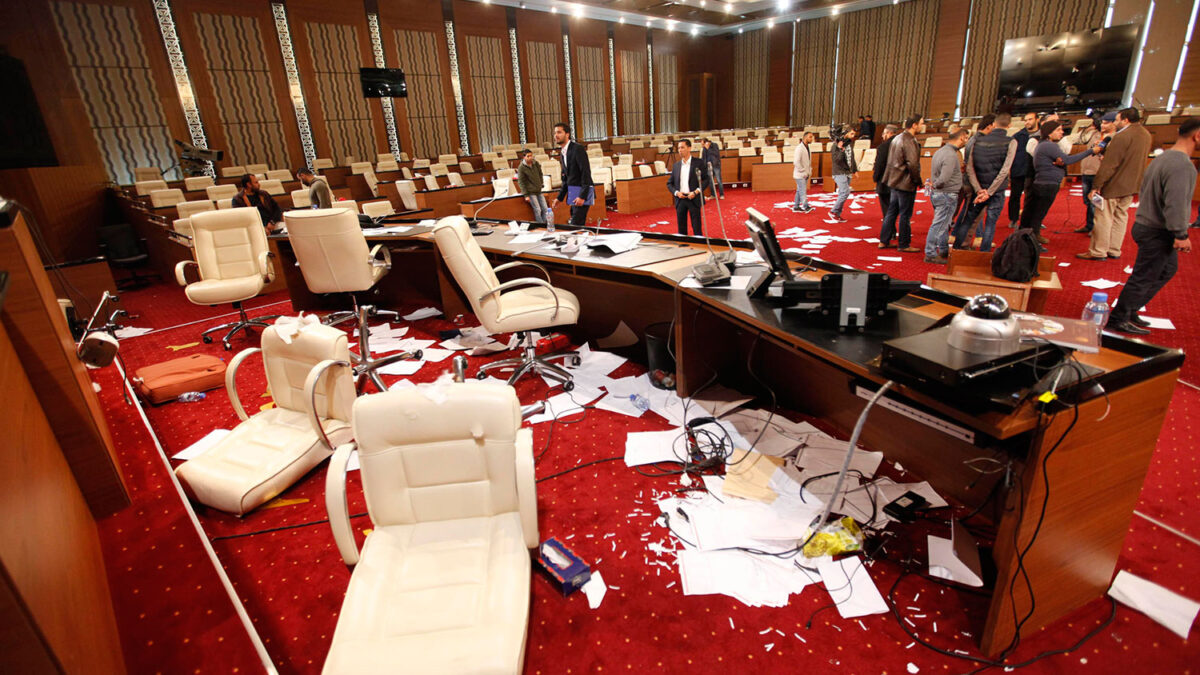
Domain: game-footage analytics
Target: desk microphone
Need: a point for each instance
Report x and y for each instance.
(724, 257)
(714, 270)
(474, 224)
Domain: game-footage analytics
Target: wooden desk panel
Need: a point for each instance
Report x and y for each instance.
(745, 167)
(446, 202)
(643, 194)
(772, 177)
(516, 208)
(861, 181)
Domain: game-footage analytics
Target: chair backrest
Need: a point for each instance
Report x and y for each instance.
(385, 157)
(771, 156)
(197, 182)
(645, 170)
(142, 173)
(660, 167)
(376, 209)
(625, 159)
(447, 159)
(933, 142)
(145, 187)
(498, 164)
(594, 152)
(867, 162)
(281, 175)
(438, 169)
(182, 226)
(466, 167)
(228, 243)
(168, 197)
(431, 183)
(747, 152)
(387, 165)
(622, 172)
(186, 209)
(345, 204)
(408, 194)
(404, 157)
(470, 267)
(372, 182)
(233, 172)
(420, 163)
(322, 163)
(360, 167)
(506, 173)
(447, 457)
(217, 193)
(602, 176)
(330, 249)
(456, 179)
(406, 172)
(606, 162)
(287, 367)
(635, 145)
(257, 168)
(301, 199)
(504, 187)
(272, 187)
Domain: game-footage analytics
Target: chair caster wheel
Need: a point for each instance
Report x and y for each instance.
(228, 347)
(417, 355)
(481, 375)
(576, 361)
(568, 386)
(207, 340)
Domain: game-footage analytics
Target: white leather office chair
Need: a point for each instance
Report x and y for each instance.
(144, 173)
(771, 156)
(625, 159)
(510, 155)
(406, 172)
(182, 226)
(143, 188)
(408, 195)
(438, 170)
(272, 187)
(503, 187)
(606, 162)
(636, 145)
(747, 152)
(387, 165)
(933, 142)
(345, 204)
(186, 209)
(360, 167)
(218, 193)
(233, 172)
(301, 199)
(332, 254)
(816, 146)
(603, 176)
(377, 209)
(372, 182)
(553, 170)
(517, 306)
(466, 167)
(403, 157)
(168, 197)
(456, 179)
(322, 163)
(442, 582)
(645, 170)
(234, 263)
(498, 164)
(265, 454)
(197, 182)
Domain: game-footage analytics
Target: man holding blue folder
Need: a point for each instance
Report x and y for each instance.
(577, 176)
(689, 179)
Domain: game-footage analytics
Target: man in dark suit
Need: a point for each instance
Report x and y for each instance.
(689, 179)
(576, 172)
(712, 157)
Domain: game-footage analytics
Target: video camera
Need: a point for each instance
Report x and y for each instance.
(192, 159)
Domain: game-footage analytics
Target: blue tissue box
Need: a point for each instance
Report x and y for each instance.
(562, 567)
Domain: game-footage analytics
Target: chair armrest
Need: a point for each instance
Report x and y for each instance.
(231, 381)
(386, 261)
(524, 281)
(520, 263)
(336, 506)
(527, 487)
(310, 396)
(180, 268)
(265, 268)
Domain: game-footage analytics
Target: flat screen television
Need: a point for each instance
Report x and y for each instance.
(383, 82)
(1084, 69)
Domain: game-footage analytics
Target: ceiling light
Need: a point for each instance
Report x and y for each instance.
(578, 10)
(833, 11)
(728, 8)
(702, 3)
(621, 20)
(695, 30)
(739, 31)
(770, 23)
(554, 9)
(784, 5)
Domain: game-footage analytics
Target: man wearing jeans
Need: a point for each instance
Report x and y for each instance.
(801, 172)
(903, 177)
(712, 158)
(945, 184)
(1117, 181)
(843, 169)
(987, 171)
(529, 180)
(1090, 138)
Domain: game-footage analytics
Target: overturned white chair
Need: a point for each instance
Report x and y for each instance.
(265, 454)
(442, 582)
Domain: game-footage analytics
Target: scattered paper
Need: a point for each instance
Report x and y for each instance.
(403, 368)
(891, 258)
(1129, 269)
(650, 447)
(1100, 284)
(1166, 607)
(595, 589)
(434, 355)
(851, 587)
(863, 227)
(201, 446)
(131, 332)
(1064, 264)
(423, 313)
(559, 406)
(956, 558)
(1159, 323)
(530, 238)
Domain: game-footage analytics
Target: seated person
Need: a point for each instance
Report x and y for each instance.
(253, 195)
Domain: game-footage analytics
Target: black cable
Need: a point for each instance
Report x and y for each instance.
(580, 466)
(279, 529)
(555, 420)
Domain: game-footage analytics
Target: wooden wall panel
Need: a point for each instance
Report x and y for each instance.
(1168, 29)
(590, 77)
(425, 121)
(816, 46)
(779, 75)
(751, 71)
(485, 70)
(948, 47)
(68, 204)
(541, 28)
(670, 46)
(629, 46)
(870, 41)
(713, 55)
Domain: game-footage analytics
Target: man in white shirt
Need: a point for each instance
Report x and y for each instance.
(801, 173)
(687, 183)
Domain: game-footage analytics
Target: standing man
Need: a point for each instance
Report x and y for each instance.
(712, 157)
(843, 169)
(881, 160)
(529, 180)
(944, 185)
(903, 177)
(577, 173)
(801, 172)
(1116, 181)
(687, 184)
(1049, 164)
(991, 159)
(1160, 228)
(318, 190)
(866, 129)
(1090, 138)
(1020, 167)
(253, 195)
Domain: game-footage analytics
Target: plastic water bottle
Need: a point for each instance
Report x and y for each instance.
(191, 397)
(640, 402)
(1097, 310)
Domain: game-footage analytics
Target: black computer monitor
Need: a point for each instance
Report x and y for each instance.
(763, 236)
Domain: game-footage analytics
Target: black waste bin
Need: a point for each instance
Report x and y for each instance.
(658, 355)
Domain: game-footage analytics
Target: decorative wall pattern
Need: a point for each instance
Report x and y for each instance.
(234, 50)
(488, 60)
(751, 68)
(633, 92)
(878, 41)
(666, 87)
(426, 103)
(590, 100)
(994, 22)
(812, 91)
(544, 89)
(108, 61)
(336, 59)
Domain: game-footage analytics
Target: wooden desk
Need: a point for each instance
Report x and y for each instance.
(516, 208)
(745, 167)
(970, 273)
(772, 177)
(446, 202)
(642, 194)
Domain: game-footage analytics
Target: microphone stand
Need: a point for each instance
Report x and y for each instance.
(474, 224)
(727, 258)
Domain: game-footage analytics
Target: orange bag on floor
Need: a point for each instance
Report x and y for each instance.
(165, 381)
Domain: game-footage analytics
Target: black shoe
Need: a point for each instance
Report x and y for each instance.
(1084, 230)
(806, 209)
(837, 219)
(1122, 326)
(1139, 321)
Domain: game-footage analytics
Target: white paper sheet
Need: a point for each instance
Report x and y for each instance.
(402, 368)
(530, 238)
(433, 354)
(1100, 284)
(594, 589)
(423, 313)
(560, 406)
(1159, 323)
(649, 447)
(956, 558)
(890, 258)
(1173, 611)
(851, 587)
(131, 332)
(201, 446)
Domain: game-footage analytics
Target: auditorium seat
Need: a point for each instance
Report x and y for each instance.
(385, 157)
(144, 173)
(466, 167)
(404, 157)
(145, 187)
(625, 159)
(497, 164)
(421, 163)
(504, 187)
(510, 155)
(816, 146)
(272, 187)
(448, 159)
(372, 182)
(219, 193)
(322, 163)
(606, 162)
(645, 170)
(281, 175)
(660, 167)
(636, 145)
(360, 167)
(233, 172)
(377, 209)
(771, 156)
(438, 170)
(345, 204)
(431, 183)
(553, 170)
(456, 179)
(406, 172)
(257, 168)
(186, 209)
(623, 172)
(602, 175)
(747, 152)
(300, 199)
(168, 197)
(408, 195)
(933, 142)
(197, 182)
(387, 165)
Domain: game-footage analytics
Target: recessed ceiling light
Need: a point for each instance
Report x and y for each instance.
(770, 23)
(728, 8)
(739, 31)
(578, 10)
(833, 11)
(695, 30)
(621, 20)
(554, 9)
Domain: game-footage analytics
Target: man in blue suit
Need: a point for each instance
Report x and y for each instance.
(576, 173)
(689, 179)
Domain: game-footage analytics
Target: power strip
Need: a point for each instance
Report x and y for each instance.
(932, 421)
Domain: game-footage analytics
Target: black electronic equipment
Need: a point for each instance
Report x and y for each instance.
(762, 235)
(1087, 68)
(193, 160)
(928, 356)
(383, 83)
(904, 508)
(711, 272)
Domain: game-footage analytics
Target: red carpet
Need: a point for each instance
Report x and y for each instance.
(174, 616)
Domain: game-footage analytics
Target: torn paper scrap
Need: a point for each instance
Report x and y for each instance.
(423, 313)
(851, 587)
(1175, 612)
(956, 558)
(1100, 284)
(595, 589)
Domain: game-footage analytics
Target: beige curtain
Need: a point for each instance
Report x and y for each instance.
(885, 61)
(812, 90)
(751, 66)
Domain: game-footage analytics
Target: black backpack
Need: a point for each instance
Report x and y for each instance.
(1016, 259)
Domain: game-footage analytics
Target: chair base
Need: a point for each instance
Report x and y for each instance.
(530, 362)
(365, 365)
(244, 323)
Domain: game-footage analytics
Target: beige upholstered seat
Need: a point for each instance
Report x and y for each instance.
(516, 306)
(182, 226)
(747, 152)
(272, 187)
(625, 159)
(645, 170)
(219, 193)
(145, 187)
(602, 176)
(332, 254)
(438, 169)
(456, 179)
(281, 175)
(387, 165)
(933, 142)
(257, 168)
(233, 172)
(301, 199)
(168, 197)
(408, 195)
(377, 209)
(622, 172)
(552, 169)
(322, 163)
(144, 173)
(771, 156)
(420, 164)
(431, 182)
(385, 157)
(186, 209)
(345, 204)
(265, 454)
(636, 145)
(234, 262)
(447, 159)
(466, 167)
(443, 580)
(660, 167)
(406, 172)
(197, 182)
(360, 167)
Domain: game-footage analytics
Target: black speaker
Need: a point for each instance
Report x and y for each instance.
(24, 141)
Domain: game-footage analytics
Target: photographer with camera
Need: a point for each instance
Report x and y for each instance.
(843, 167)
